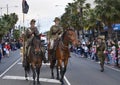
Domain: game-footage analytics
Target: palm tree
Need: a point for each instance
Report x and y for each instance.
(108, 12)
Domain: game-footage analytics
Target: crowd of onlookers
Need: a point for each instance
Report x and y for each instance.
(6, 47)
(111, 52)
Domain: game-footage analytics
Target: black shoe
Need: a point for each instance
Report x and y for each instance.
(102, 70)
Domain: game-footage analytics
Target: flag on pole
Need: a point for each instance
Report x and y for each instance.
(25, 7)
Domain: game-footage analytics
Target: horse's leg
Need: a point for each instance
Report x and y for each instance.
(38, 73)
(34, 74)
(52, 65)
(63, 71)
(26, 75)
(57, 69)
(59, 64)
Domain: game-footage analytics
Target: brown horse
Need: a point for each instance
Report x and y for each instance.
(34, 59)
(62, 53)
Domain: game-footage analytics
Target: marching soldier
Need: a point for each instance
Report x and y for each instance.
(100, 51)
(55, 33)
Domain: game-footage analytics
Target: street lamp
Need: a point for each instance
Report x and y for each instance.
(7, 8)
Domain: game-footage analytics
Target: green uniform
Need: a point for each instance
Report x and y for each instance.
(29, 37)
(100, 53)
(29, 33)
(55, 33)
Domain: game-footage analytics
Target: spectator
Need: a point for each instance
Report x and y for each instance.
(113, 55)
(108, 51)
(86, 51)
(93, 52)
(1, 53)
(7, 49)
(118, 53)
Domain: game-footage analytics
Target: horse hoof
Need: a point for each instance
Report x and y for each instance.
(38, 83)
(62, 82)
(26, 79)
(52, 77)
(33, 83)
(58, 78)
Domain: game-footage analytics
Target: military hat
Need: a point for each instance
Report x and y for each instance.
(33, 20)
(56, 19)
(101, 37)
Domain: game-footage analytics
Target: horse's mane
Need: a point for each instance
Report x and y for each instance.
(66, 32)
(35, 37)
(63, 35)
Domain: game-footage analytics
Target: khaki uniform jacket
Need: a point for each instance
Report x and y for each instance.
(55, 31)
(31, 31)
(100, 52)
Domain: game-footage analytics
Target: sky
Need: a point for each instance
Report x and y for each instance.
(44, 11)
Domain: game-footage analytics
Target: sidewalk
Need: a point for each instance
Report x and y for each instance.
(7, 61)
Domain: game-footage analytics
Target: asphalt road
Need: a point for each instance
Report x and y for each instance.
(80, 71)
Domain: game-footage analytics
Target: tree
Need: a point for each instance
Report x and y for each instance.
(108, 11)
(16, 34)
(7, 23)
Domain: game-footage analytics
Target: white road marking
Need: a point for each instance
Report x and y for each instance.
(30, 78)
(42, 63)
(68, 83)
(10, 67)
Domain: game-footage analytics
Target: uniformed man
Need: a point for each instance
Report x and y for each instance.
(100, 51)
(30, 33)
(56, 32)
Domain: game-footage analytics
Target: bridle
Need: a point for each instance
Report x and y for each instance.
(36, 49)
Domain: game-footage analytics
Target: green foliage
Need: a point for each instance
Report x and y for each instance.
(105, 11)
(7, 23)
(16, 34)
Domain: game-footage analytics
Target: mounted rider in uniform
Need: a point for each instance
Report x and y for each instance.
(30, 33)
(56, 32)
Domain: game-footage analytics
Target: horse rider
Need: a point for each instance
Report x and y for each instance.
(30, 33)
(56, 32)
(100, 51)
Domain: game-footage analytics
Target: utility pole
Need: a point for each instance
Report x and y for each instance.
(7, 9)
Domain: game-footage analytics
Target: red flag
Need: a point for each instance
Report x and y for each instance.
(25, 7)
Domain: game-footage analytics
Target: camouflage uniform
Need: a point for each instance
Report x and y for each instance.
(100, 52)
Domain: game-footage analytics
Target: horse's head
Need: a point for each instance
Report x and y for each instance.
(36, 44)
(71, 37)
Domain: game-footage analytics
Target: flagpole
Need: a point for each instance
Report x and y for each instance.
(25, 8)
(24, 35)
